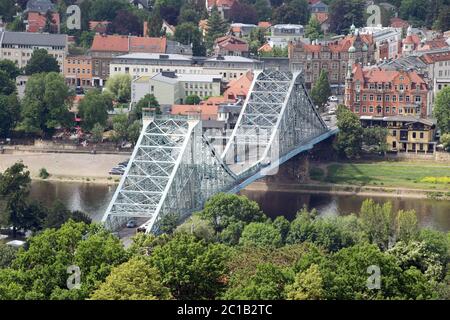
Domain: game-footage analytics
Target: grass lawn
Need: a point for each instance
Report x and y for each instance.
(409, 175)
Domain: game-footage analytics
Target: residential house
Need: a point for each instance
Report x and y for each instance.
(78, 71)
(318, 7)
(170, 88)
(99, 26)
(238, 89)
(406, 134)
(36, 22)
(19, 46)
(105, 47)
(241, 29)
(282, 34)
(373, 91)
(332, 57)
(147, 64)
(231, 46)
(223, 6)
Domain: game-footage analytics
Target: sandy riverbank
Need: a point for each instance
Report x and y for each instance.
(365, 191)
(73, 167)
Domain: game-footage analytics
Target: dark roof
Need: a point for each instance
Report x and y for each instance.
(40, 6)
(37, 39)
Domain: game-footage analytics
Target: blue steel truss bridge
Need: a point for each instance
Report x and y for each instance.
(175, 167)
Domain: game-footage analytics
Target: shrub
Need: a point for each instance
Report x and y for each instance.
(43, 173)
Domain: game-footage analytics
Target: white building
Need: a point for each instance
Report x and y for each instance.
(19, 46)
(170, 88)
(389, 35)
(149, 64)
(282, 34)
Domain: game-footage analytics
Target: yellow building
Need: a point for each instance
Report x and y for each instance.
(406, 133)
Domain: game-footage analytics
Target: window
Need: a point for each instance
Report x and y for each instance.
(407, 98)
(378, 109)
(414, 135)
(401, 87)
(388, 109)
(418, 99)
(386, 98)
(371, 109)
(421, 135)
(357, 109)
(378, 97)
(394, 109)
(400, 98)
(371, 97)
(394, 98)
(394, 133)
(364, 97)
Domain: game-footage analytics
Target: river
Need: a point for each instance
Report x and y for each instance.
(94, 199)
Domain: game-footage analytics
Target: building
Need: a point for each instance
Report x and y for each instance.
(78, 71)
(223, 6)
(99, 26)
(148, 64)
(373, 91)
(239, 88)
(170, 88)
(19, 46)
(332, 56)
(242, 29)
(386, 38)
(282, 34)
(318, 7)
(231, 46)
(410, 43)
(406, 134)
(41, 6)
(105, 47)
(36, 22)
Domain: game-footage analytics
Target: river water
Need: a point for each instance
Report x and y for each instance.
(94, 199)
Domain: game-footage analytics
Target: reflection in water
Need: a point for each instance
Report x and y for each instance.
(94, 199)
(431, 213)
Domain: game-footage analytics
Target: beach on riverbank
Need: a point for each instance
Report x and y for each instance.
(68, 167)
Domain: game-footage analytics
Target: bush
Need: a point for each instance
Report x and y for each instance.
(43, 173)
(316, 173)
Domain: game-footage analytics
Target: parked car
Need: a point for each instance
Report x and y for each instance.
(116, 171)
(79, 90)
(132, 224)
(333, 99)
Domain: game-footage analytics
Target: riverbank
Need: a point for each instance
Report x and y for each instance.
(336, 189)
(63, 167)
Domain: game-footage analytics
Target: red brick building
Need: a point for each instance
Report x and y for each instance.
(374, 91)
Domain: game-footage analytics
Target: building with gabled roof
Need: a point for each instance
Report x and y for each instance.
(231, 46)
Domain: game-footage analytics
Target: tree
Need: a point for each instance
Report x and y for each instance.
(49, 22)
(169, 222)
(415, 11)
(9, 114)
(102, 10)
(125, 22)
(148, 101)
(260, 234)
(197, 227)
(120, 126)
(7, 255)
(266, 284)
(190, 268)
(43, 266)
(407, 225)
(10, 68)
(41, 61)
(188, 14)
(16, 25)
(216, 27)
(313, 30)
(445, 140)
(296, 12)
(86, 38)
(97, 132)
(134, 131)
(192, 99)
(308, 285)
(93, 109)
(132, 280)
(441, 110)
(7, 85)
(321, 90)
(443, 19)
(378, 222)
(7, 9)
(45, 104)
(224, 209)
(375, 138)
(14, 188)
(189, 34)
(119, 85)
(58, 215)
(155, 23)
(243, 13)
(344, 13)
(263, 10)
(349, 138)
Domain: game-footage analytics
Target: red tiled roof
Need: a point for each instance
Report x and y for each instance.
(321, 16)
(434, 57)
(220, 3)
(117, 43)
(208, 112)
(399, 23)
(148, 44)
(232, 43)
(381, 75)
(99, 26)
(265, 48)
(113, 43)
(36, 21)
(239, 87)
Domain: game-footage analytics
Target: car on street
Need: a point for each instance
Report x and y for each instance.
(333, 99)
(132, 224)
(116, 171)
